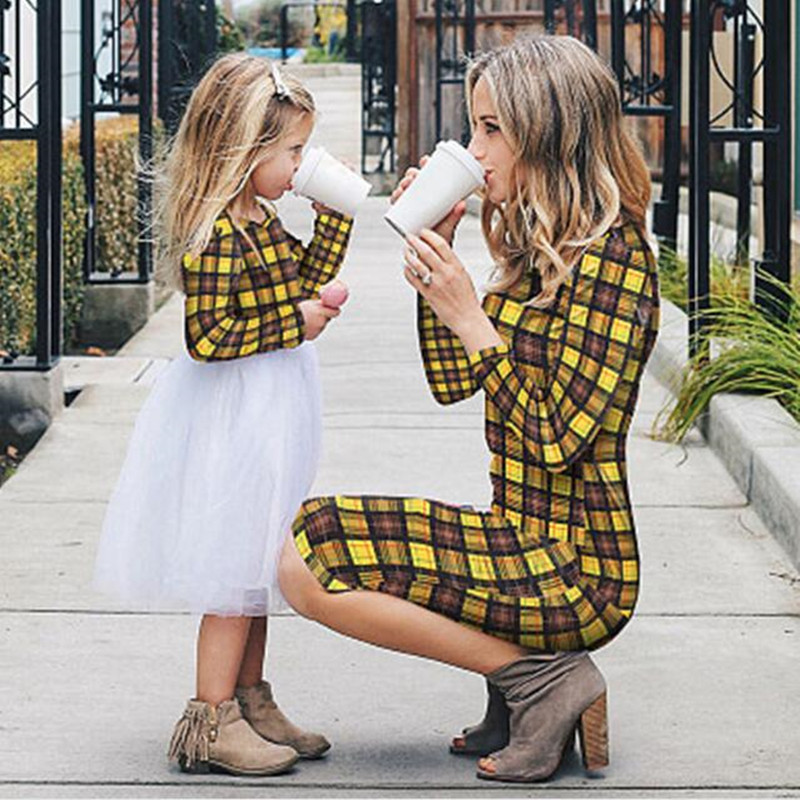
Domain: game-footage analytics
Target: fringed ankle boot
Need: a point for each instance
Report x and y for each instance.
(261, 711)
(216, 738)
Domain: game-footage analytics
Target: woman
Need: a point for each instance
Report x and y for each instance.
(559, 344)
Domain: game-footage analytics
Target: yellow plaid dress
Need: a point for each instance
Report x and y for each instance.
(554, 564)
(242, 291)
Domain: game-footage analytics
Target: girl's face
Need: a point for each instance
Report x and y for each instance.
(273, 176)
(489, 145)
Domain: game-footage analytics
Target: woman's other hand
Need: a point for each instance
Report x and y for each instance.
(436, 272)
(447, 227)
(441, 278)
(316, 316)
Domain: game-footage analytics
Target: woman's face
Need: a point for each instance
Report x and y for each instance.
(273, 176)
(488, 144)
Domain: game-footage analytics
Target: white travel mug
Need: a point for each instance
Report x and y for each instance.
(325, 179)
(451, 174)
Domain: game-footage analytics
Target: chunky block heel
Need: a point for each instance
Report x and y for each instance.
(593, 732)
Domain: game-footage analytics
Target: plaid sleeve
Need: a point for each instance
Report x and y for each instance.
(231, 313)
(609, 301)
(321, 259)
(447, 367)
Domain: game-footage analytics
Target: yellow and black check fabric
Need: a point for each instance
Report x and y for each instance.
(554, 564)
(242, 292)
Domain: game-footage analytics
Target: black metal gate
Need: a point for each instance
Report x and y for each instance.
(769, 126)
(187, 43)
(31, 110)
(653, 89)
(576, 18)
(455, 43)
(116, 78)
(378, 84)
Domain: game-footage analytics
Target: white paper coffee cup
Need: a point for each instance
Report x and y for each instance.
(451, 174)
(323, 178)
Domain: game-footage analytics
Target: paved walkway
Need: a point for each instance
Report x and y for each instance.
(704, 684)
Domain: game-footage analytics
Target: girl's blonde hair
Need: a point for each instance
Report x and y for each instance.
(577, 170)
(235, 118)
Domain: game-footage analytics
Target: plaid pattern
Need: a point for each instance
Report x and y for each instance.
(242, 292)
(554, 565)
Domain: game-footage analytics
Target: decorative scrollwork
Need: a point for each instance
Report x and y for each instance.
(746, 23)
(118, 44)
(11, 101)
(644, 85)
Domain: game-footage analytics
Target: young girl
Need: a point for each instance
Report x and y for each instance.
(225, 448)
(520, 592)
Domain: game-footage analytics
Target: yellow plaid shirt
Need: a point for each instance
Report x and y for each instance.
(242, 292)
(560, 394)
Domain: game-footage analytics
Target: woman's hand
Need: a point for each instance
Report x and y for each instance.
(435, 271)
(447, 227)
(316, 316)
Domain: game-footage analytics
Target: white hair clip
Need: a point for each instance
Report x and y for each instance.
(281, 89)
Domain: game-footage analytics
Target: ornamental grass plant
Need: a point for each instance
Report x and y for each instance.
(749, 351)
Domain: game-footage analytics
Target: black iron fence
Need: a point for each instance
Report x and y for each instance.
(650, 86)
(31, 111)
(378, 85)
(740, 122)
(116, 78)
(187, 43)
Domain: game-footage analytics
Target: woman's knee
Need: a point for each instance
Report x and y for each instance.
(300, 588)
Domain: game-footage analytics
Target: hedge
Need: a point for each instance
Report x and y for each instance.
(115, 212)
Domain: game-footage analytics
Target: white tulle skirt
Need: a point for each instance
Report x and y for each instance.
(220, 459)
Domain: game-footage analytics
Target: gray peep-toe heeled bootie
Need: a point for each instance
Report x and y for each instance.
(549, 697)
(261, 711)
(217, 739)
(490, 734)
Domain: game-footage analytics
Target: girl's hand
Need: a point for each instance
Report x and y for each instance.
(447, 227)
(316, 316)
(436, 272)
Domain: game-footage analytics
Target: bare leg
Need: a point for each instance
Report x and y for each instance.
(252, 669)
(391, 622)
(221, 643)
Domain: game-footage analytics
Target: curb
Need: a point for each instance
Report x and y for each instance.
(756, 439)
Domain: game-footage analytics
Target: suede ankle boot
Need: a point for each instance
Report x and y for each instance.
(549, 697)
(263, 714)
(216, 738)
(491, 733)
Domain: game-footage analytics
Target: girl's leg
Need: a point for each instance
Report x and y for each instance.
(252, 668)
(221, 643)
(258, 704)
(391, 622)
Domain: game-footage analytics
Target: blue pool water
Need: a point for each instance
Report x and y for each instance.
(272, 52)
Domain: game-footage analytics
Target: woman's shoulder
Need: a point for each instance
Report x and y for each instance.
(621, 248)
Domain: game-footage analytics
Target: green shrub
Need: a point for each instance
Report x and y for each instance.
(18, 245)
(116, 227)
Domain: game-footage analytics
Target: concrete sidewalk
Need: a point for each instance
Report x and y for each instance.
(704, 683)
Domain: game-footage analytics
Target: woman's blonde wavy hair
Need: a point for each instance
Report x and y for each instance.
(233, 121)
(577, 169)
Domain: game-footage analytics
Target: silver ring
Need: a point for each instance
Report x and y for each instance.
(427, 279)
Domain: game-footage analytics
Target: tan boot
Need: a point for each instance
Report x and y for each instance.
(549, 697)
(261, 711)
(208, 738)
